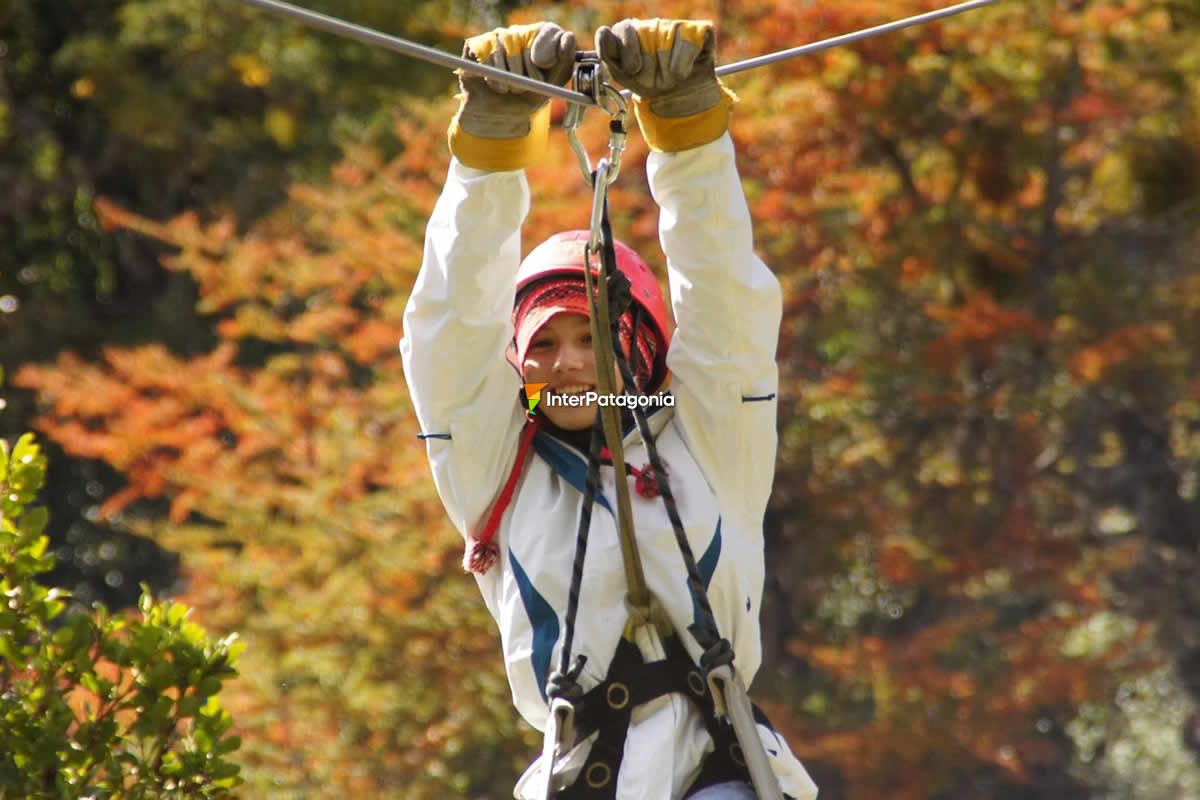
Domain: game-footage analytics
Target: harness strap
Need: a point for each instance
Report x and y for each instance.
(605, 333)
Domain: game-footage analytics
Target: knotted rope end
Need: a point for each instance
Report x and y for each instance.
(565, 685)
(480, 556)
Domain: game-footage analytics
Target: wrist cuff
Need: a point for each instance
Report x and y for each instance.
(500, 155)
(672, 134)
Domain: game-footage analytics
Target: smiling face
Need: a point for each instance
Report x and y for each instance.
(560, 354)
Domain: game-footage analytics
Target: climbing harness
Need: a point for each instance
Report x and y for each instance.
(434, 56)
(562, 687)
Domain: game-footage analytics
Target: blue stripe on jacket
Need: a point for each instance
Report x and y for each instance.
(707, 566)
(542, 619)
(566, 464)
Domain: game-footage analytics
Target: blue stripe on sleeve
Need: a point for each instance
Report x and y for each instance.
(707, 566)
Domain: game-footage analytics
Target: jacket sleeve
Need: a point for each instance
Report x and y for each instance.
(728, 308)
(457, 325)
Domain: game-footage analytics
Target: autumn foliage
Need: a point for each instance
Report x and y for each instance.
(989, 417)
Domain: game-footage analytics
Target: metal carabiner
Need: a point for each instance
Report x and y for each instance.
(599, 197)
(590, 79)
(587, 81)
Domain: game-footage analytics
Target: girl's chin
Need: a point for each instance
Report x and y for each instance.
(572, 419)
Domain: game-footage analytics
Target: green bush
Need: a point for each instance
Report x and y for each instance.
(94, 705)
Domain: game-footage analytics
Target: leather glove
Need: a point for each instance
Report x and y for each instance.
(502, 127)
(670, 67)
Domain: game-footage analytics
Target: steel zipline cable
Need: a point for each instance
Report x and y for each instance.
(442, 58)
(856, 36)
(405, 47)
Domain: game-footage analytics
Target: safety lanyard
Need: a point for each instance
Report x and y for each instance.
(604, 285)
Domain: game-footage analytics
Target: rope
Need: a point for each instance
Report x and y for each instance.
(606, 428)
(707, 632)
(563, 682)
(483, 552)
(610, 419)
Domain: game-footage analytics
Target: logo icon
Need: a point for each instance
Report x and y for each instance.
(533, 393)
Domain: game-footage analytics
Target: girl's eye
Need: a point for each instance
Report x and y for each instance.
(586, 339)
(540, 344)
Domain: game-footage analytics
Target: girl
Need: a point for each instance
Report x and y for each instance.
(512, 483)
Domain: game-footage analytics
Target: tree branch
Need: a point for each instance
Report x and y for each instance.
(893, 156)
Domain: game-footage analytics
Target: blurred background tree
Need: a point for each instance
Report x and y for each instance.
(984, 531)
(163, 106)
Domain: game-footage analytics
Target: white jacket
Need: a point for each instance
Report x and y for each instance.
(718, 444)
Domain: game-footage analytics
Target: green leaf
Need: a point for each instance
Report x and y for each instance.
(146, 601)
(33, 524)
(204, 739)
(229, 744)
(28, 454)
(171, 764)
(176, 613)
(64, 637)
(91, 683)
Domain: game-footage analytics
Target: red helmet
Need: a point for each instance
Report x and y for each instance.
(565, 254)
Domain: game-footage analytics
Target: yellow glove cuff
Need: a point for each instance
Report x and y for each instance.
(514, 39)
(673, 134)
(501, 155)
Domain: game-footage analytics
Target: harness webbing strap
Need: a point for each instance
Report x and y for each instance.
(707, 633)
(563, 680)
(604, 330)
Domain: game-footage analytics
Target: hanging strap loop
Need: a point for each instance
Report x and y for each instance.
(603, 332)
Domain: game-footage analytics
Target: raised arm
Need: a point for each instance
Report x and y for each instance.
(727, 307)
(456, 328)
(727, 303)
(457, 324)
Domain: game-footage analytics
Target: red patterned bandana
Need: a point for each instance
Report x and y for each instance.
(540, 302)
